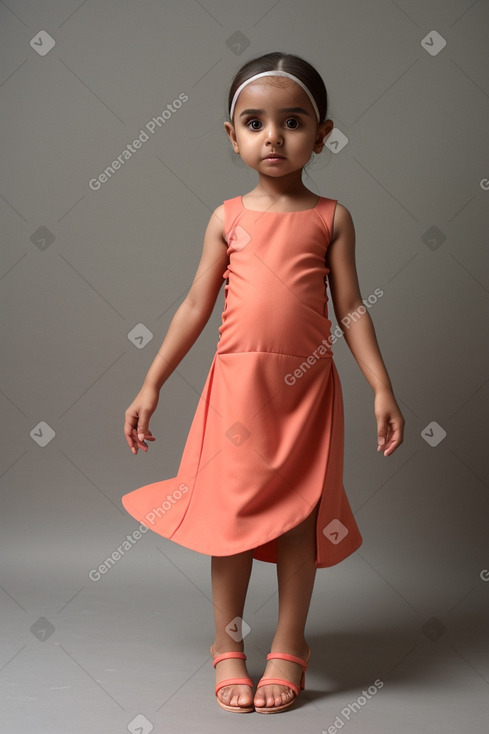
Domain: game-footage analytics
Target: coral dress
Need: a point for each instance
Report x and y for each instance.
(266, 442)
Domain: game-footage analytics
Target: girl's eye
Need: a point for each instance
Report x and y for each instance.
(292, 123)
(254, 124)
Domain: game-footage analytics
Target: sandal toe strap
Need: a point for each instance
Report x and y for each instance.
(234, 682)
(279, 682)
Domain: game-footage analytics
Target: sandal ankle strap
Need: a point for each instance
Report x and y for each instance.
(290, 658)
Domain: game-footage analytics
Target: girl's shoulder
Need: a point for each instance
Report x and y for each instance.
(342, 221)
(219, 212)
(223, 215)
(217, 217)
(230, 211)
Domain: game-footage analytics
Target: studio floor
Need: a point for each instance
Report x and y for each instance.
(128, 650)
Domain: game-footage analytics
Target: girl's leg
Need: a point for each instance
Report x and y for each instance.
(296, 572)
(230, 578)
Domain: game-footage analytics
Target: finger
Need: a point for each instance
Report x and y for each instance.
(394, 441)
(128, 428)
(144, 434)
(140, 438)
(142, 426)
(139, 443)
(383, 434)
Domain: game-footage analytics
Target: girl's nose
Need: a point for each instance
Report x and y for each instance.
(274, 135)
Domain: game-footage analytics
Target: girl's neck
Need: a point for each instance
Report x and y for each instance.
(285, 191)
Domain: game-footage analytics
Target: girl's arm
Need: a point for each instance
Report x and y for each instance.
(359, 332)
(186, 325)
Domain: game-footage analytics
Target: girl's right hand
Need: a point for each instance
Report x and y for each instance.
(136, 426)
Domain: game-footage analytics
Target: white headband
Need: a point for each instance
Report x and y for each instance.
(273, 73)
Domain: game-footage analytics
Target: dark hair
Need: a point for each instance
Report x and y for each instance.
(278, 61)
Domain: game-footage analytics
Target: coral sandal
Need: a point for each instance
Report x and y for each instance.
(231, 682)
(281, 682)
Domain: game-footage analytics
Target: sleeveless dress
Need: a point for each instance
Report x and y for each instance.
(266, 442)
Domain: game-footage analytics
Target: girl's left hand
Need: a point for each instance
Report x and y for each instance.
(390, 423)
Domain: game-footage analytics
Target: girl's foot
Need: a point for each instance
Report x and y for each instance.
(233, 695)
(273, 695)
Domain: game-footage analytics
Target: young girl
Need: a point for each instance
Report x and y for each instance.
(261, 472)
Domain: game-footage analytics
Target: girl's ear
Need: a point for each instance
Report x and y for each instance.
(324, 130)
(229, 127)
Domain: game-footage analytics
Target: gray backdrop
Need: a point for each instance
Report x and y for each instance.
(91, 269)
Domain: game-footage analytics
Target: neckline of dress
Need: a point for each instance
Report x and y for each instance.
(267, 211)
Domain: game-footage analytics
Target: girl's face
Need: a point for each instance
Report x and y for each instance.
(275, 116)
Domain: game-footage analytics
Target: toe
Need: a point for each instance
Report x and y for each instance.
(281, 695)
(245, 699)
(236, 696)
(259, 698)
(272, 696)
